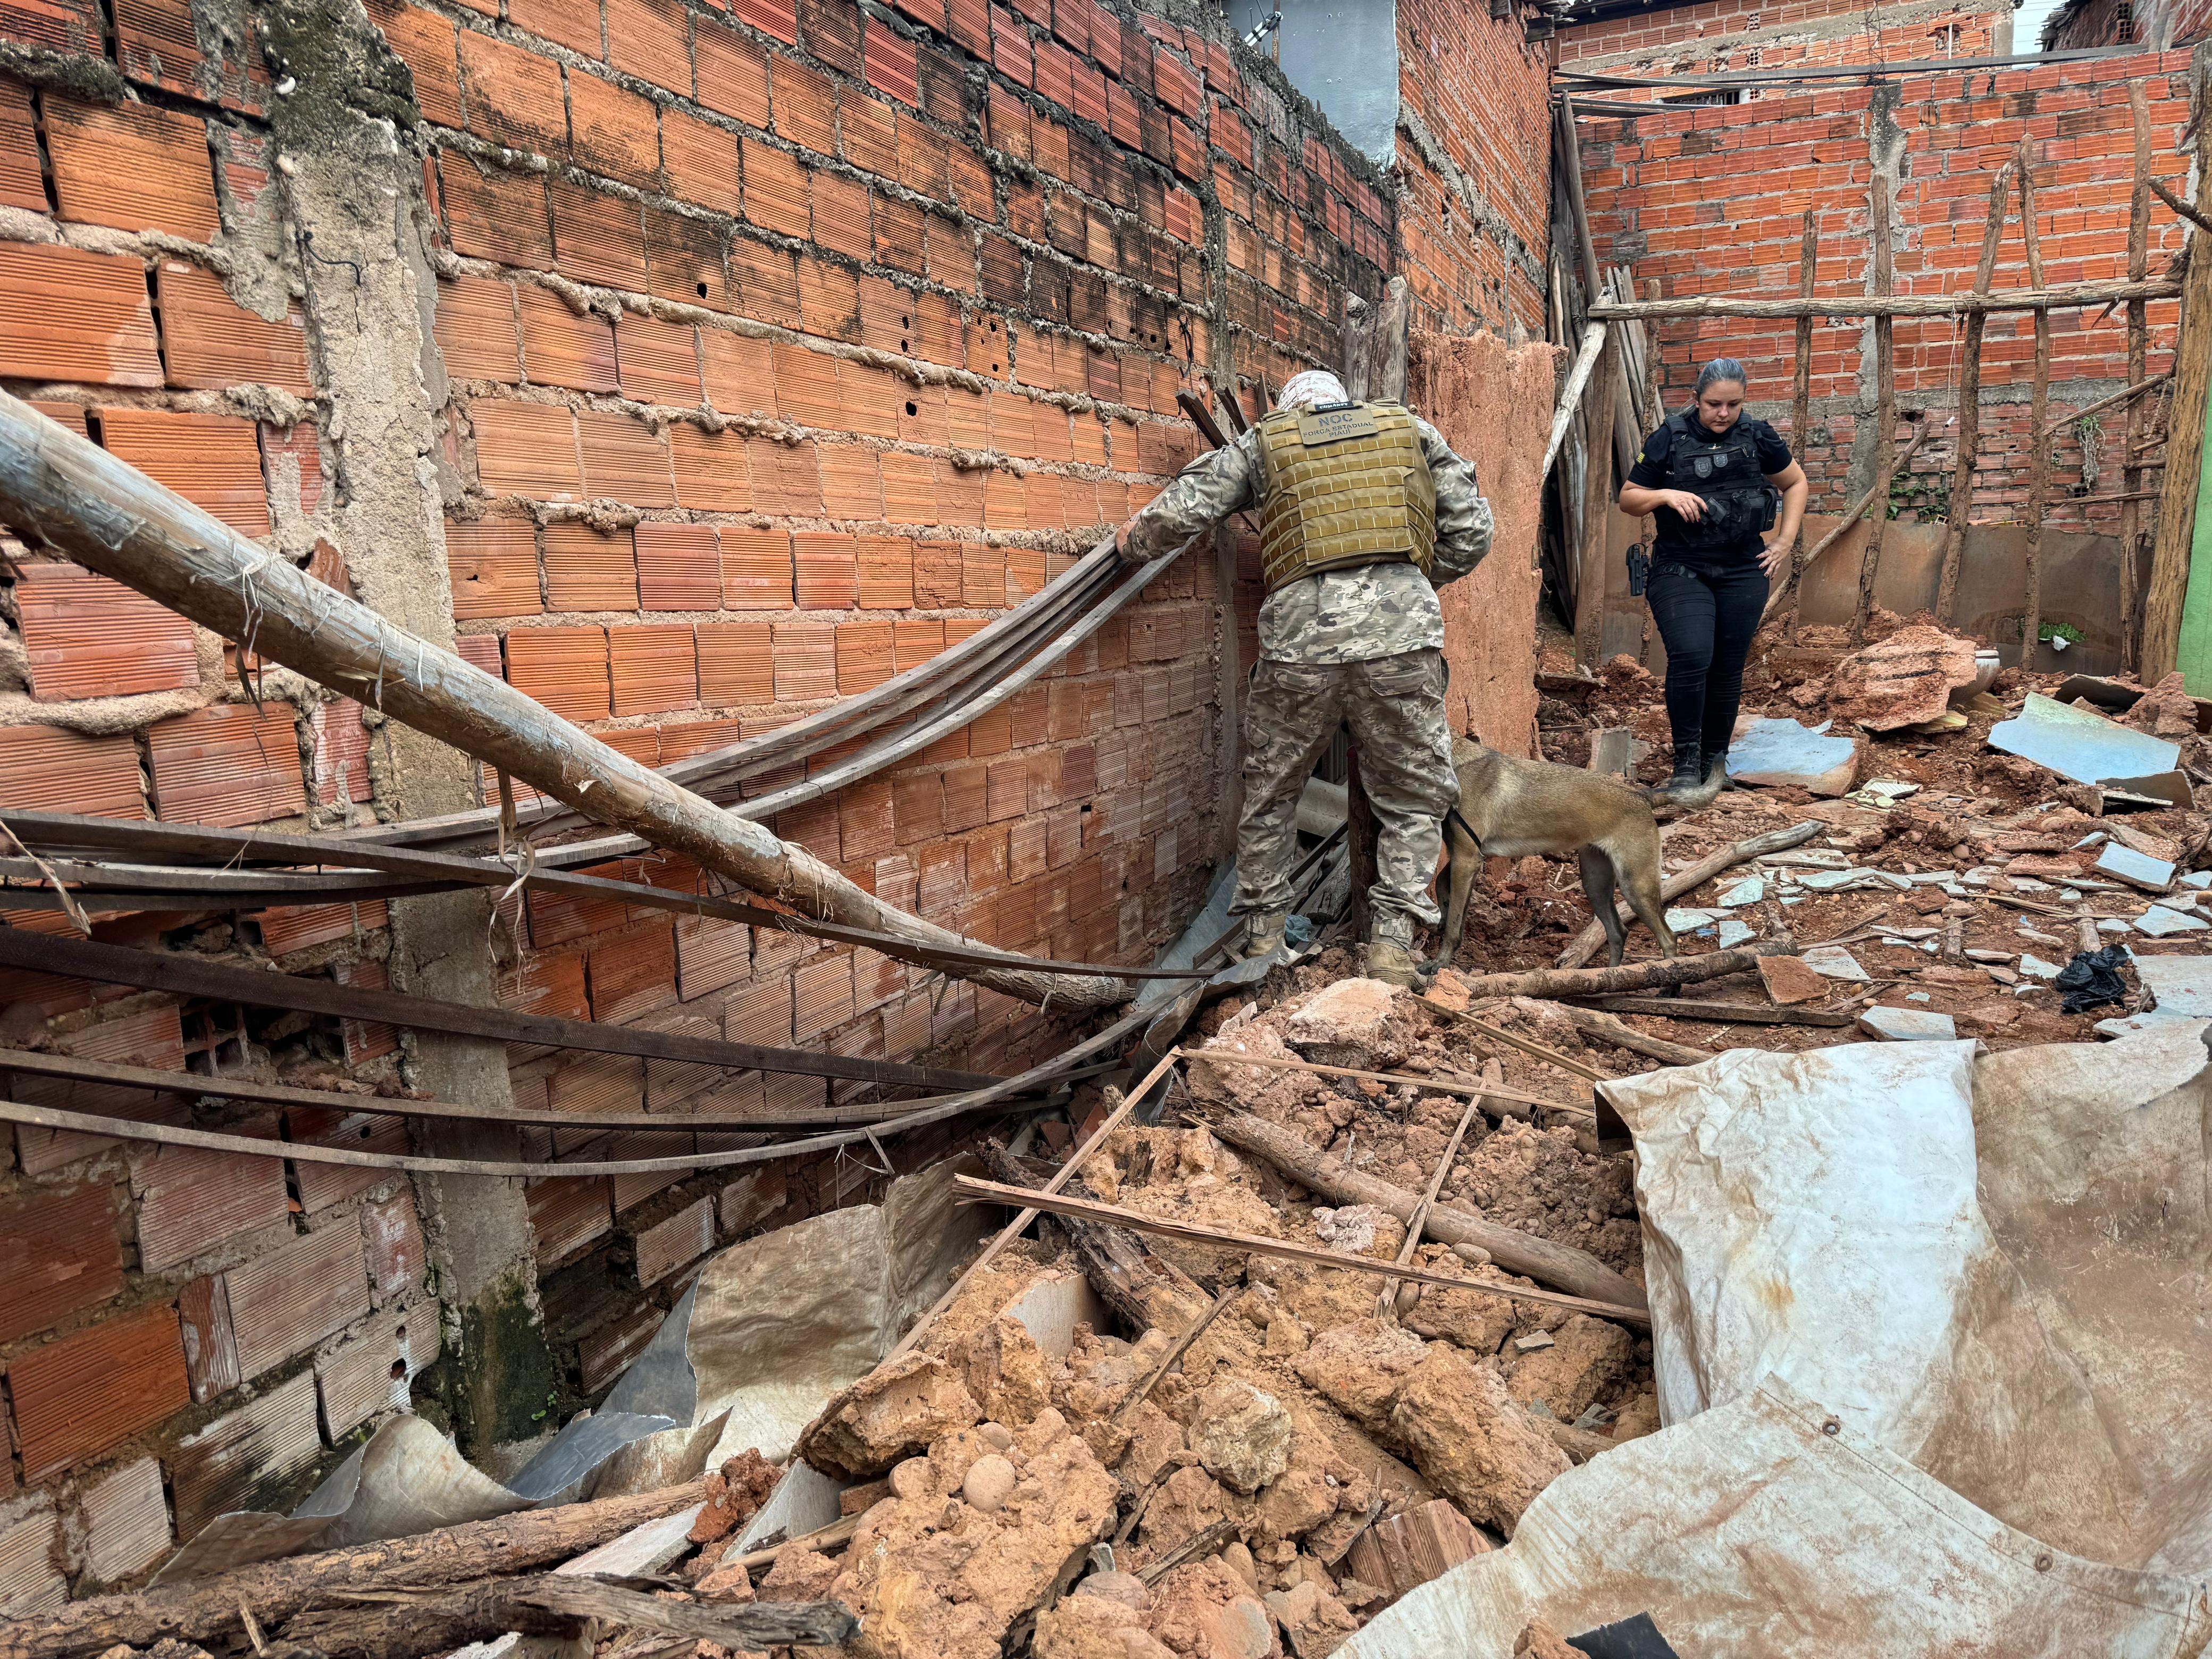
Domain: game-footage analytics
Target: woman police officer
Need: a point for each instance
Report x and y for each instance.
(1710, 475)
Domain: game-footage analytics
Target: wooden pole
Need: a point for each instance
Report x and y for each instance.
(1598, 458)
(1884, 418)
(2066, 296)
(2038, 411)
(1571, 161)
(1970, 406)
(2185, 425)
(1629, 977)
(1570, 395)
(2138, 354)
(58, 486)
(1800, 398)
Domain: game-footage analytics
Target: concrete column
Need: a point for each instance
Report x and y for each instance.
(350, 174)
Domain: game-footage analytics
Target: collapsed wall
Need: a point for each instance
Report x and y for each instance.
(689, 369)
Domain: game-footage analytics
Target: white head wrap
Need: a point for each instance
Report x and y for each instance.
(1314, 385)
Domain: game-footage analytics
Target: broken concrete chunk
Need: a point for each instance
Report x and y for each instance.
(1204, 1611)
(1907, 1025)
(1540, 1641)
(1750, 891)
(1789, 980)
(1731, 932)
(1587, 1359)
(2137, 869)
(1242, 1435)
(894, 1410)
(798, 1574)
(1473, 1440)
(1834, 962)
(1359, 1367)
(1350, 1012)
(1905, 680)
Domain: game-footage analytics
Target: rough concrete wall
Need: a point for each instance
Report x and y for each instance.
(1716, 36)
(1490, 617)
(2162, 24)
(1711, 201)
(1474, 157)
(689, 371)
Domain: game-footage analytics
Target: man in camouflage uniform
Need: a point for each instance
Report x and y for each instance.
(1364, 513)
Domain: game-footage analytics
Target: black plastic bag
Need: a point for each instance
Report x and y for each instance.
(2092, 979)
(1631, 1639)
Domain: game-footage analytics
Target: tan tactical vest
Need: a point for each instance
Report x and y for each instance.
(1342, 486)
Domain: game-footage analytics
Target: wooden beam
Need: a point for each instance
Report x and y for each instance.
(1598, 491)
(1725, 1013)
(1885, 370)
(1970, 407)
(2132, 477)
(2067, 296)
(1570, 395)
(2169, 592)
(1801, 406)
(58, 486)
(2040, 433)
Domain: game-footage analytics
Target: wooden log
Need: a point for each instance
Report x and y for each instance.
(1598, 461)
(1725, 1013)
(1555, 982)
(2131, 472)
(1585, 945)
(1792, 587)
(206, 1610)
(1443, 1085)
(1606, 1029)
(969, 1189)
(2066, 296)
(409, 1624)
(1569, 154)
(1576, 1272)
(1570, 395)
(1970, 407)
(58, 486)
(2039, 409)
(2196, 216)
(2168, 588)
(1801, 404)
(1884, 371)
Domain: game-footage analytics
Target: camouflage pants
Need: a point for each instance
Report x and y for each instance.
(1395, 708)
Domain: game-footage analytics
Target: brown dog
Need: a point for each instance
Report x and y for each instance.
(1512, 808)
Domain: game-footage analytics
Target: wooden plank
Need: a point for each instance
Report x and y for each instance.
(1969, 411)
(1570, 395)
(2066, 296)
(2039, 409)
(1598, 461)
(1801, 398)
(1885, 368)
(2179, 596)
(2131, 477)
(1727, 1013)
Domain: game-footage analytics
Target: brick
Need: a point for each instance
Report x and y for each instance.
(864, 656)
(133, 166)
(612, 132)
(826, 568)
(322, 1185)
(598, 237)
(679, 567)
(851, 483)
(59, 1252)
(87, 635)
(658, 361)
(493, 565)
(653, 668)
(821, 995)
(391, 1238)
(804, 103)
(633, 974)
(774, 17)
(588, 569)
(605, 1353)
(477, 330)
(701, 159)
(46, 770)
(733, 74)
(284, 1301)
(775, 191)
(564, 668)
(211, 460)
(424, 41)
(806, 657)
(188, 1201)
(573, 23)
(370, 1372)
(227, 763)
(828, 299)
(126, 1521)
(651, 39)
(624, 459)
(526, 449)
(30, 1544)
(559, 348)
(244, 1460)
(77, 1397)
(680, 1240)
(841, 215)
(567, 1215)
(513, 97)
(69, 315)
(543, 984)
(711, 469)
(739, 372)
(492, 215)
(891, 66)
(22, 183)
(735, 667)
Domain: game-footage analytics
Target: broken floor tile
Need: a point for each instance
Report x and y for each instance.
(1782, 753)
(2181, 985)
(1907, 1025)
(2159, 921)
(1834, 962)
(2137, 869)
(2081, 743)
(1733, 932)
(1750, 891)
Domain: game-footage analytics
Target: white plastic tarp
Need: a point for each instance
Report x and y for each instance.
(1917, 1319)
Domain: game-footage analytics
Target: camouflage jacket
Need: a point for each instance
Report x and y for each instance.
(1339, 615)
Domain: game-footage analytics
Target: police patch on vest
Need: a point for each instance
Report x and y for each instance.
(1334, 425)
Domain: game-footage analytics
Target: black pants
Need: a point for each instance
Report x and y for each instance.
(1707, 618)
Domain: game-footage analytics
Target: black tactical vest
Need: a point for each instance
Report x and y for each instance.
(1724, 472)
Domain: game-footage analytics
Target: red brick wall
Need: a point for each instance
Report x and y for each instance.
(1473, 221)
(2158, 23)
(1711, 201)
(1714, 37)
(783, 349)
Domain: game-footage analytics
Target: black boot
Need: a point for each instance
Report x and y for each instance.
(1689, 774)
(1717, 767)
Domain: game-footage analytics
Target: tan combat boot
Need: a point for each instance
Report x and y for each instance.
(1265, 934)
(1393, 963)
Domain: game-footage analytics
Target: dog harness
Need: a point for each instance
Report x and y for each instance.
(1343, 485)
